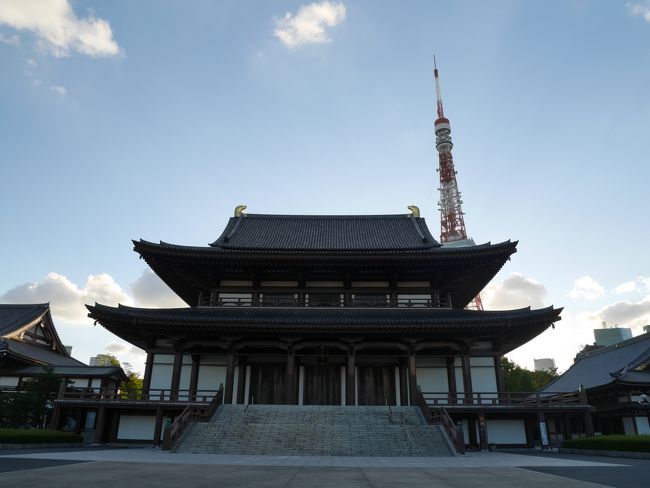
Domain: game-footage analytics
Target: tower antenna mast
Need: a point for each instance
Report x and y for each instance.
(452, 222)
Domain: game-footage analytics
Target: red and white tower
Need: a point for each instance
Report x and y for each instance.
(452, 222)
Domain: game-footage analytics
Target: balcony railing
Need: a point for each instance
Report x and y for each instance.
(312, 302)
(510, 399)
(137, 395)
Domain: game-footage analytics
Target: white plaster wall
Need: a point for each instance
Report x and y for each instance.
(161, 377)
(432, 380)
(642, 425)
(78, 382)
(136, 427)
(484, 377)
(210, 377)
(11, 381)
(506, 431)
(628, 425)
(97, 383)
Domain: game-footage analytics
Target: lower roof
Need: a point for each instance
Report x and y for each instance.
(34, 354)
(141, 326)
(626, 362)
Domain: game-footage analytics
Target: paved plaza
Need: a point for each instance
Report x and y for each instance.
(146, 467)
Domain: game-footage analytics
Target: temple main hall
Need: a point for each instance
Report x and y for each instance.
(349, 310)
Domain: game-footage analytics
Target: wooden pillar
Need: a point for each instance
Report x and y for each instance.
(146, 381)
(176, 375)
(451, 380)
(350, 380)
(467, 379)
(404, 382)
(482, 431)
(157, 430)
(290, 389)
(98, 437)
(501, 383)
(241, 381)
(194, 376)
(413, 385)
(566, 427)
(471, 431)
(230, 377)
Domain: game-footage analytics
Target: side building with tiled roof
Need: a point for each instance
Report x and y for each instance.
(30, 344)
(616, 381)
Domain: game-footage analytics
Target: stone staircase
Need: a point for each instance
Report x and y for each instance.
(310, 430)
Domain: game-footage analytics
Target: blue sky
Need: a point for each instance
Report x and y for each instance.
(153, 119)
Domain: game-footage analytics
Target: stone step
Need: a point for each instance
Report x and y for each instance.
(316, 430)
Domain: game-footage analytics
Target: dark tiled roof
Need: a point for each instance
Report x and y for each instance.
(606, 365)
(513, 327)
(13, 317)
(35, 354)
(319, 315)
(84, 371)
(326, 232)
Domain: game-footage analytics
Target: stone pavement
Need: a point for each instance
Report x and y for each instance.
(163, 475)
(471, 460)
(146, 467)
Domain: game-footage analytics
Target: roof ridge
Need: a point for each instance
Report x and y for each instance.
(618, 345)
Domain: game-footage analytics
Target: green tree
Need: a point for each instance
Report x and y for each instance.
(29, 407)
(522, 380)
(133, 382)
(107, 360)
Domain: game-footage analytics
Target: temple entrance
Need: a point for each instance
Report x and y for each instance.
(267, 384)
(376, 385)
(322, 385)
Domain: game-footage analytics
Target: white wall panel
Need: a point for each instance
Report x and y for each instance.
(642, 425)
(628, 425)
(210, 377)
(506, 431)
(161, 376)
(9, 381)
(136, 427)
(432, 380)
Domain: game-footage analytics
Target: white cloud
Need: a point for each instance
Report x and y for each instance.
(626, 313)
(586, 288)
(150, 291)
(561, 343)
(58, 29)
(639, 10)
(66, 298)
(12, 40)
(126, 353)
(58, 89)
(309, 25)
(639, 285)
(516, 291)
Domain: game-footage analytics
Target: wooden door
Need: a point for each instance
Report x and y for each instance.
(267, 384)
(322, 385)
(376, 385)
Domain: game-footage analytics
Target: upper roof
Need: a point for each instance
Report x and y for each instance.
(625, 362)
(326, 232)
